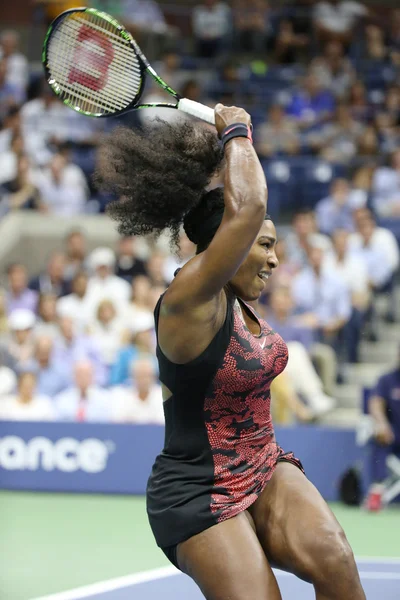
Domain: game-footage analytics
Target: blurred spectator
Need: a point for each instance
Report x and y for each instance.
(368, 145)
(10, 94)
(27, 404)
(169, 69)
(278, 135)
(289, 41)
(51, 281)
(104, 285)
(17, 64)
(128, 265)
(322, 295)
(72, 346)
(8, 379)
(351, 268)
(47, 323)
(47, 123)
(107, 331)
(4, 329)
(281, 318)
(51, 375)
(394, 29)
(386, 188)
(74, 305)
(252, 26)
(384, 408)
(75, 253)
(387, 132)
(360, 108)
(191, 89)
(142, 15)
(226, 83)
(311, 103)
(298, 240)
(375, 48)
(337, 141)
(143, 402)
(156, 269)
(84, 401)
(141, 342)
(333, 69)
(9, 157)
(172, 262)
(20, 192)
(62, 187)
(378, 248)
(18, 294)
(336, 211)
(211, 24)
(336, 19)
(353, 272)
(21, 344)
(138, 309)
(392, 102)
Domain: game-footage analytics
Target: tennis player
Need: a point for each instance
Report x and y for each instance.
(225, 502)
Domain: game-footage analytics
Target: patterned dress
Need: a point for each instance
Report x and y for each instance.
(220, 449)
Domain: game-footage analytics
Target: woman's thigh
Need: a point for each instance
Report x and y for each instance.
(300, 534)
(227, 561)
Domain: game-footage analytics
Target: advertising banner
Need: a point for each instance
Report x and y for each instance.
(117, 459)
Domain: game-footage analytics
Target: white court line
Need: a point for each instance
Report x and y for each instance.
(378, 559)
(110, 585)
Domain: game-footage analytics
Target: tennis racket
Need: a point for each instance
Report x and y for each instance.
(95, 67)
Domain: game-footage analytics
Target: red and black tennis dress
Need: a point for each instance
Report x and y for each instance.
(220, 449)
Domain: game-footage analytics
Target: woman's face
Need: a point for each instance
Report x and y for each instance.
(252, 276)
(48, 308)
(106, 313)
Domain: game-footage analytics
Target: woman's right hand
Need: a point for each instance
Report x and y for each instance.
(227, 115)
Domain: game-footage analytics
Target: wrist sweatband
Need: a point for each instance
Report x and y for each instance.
(236, 130)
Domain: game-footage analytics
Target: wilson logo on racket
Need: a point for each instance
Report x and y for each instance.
(96, 68)
(94, 53)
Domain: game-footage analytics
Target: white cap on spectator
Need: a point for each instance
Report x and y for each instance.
(102, 257)
(144, 323)
(21, 319)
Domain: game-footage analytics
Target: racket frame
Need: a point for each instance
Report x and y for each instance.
(144, 64)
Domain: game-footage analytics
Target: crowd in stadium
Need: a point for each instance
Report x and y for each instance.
(322, 83)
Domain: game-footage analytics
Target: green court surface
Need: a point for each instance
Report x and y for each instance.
(54, 542)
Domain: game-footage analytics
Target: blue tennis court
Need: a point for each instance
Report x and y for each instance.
(380, 577)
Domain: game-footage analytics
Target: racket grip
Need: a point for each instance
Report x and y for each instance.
(197, 110)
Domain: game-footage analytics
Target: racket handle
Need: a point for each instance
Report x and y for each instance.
(197, 110)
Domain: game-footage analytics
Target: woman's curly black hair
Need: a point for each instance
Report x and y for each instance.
(160, 173)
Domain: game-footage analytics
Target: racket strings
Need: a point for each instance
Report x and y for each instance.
(95, 69)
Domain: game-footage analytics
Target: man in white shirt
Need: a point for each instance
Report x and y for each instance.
(351, 268)
(386, 189)
(336, 19)
(62, 186)
(84, 401)
(143, 402)
(26, 404)
(17, 63)
(74, 305)
(353, 272)
(104, 285)
(211, 23)
(378, 248)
